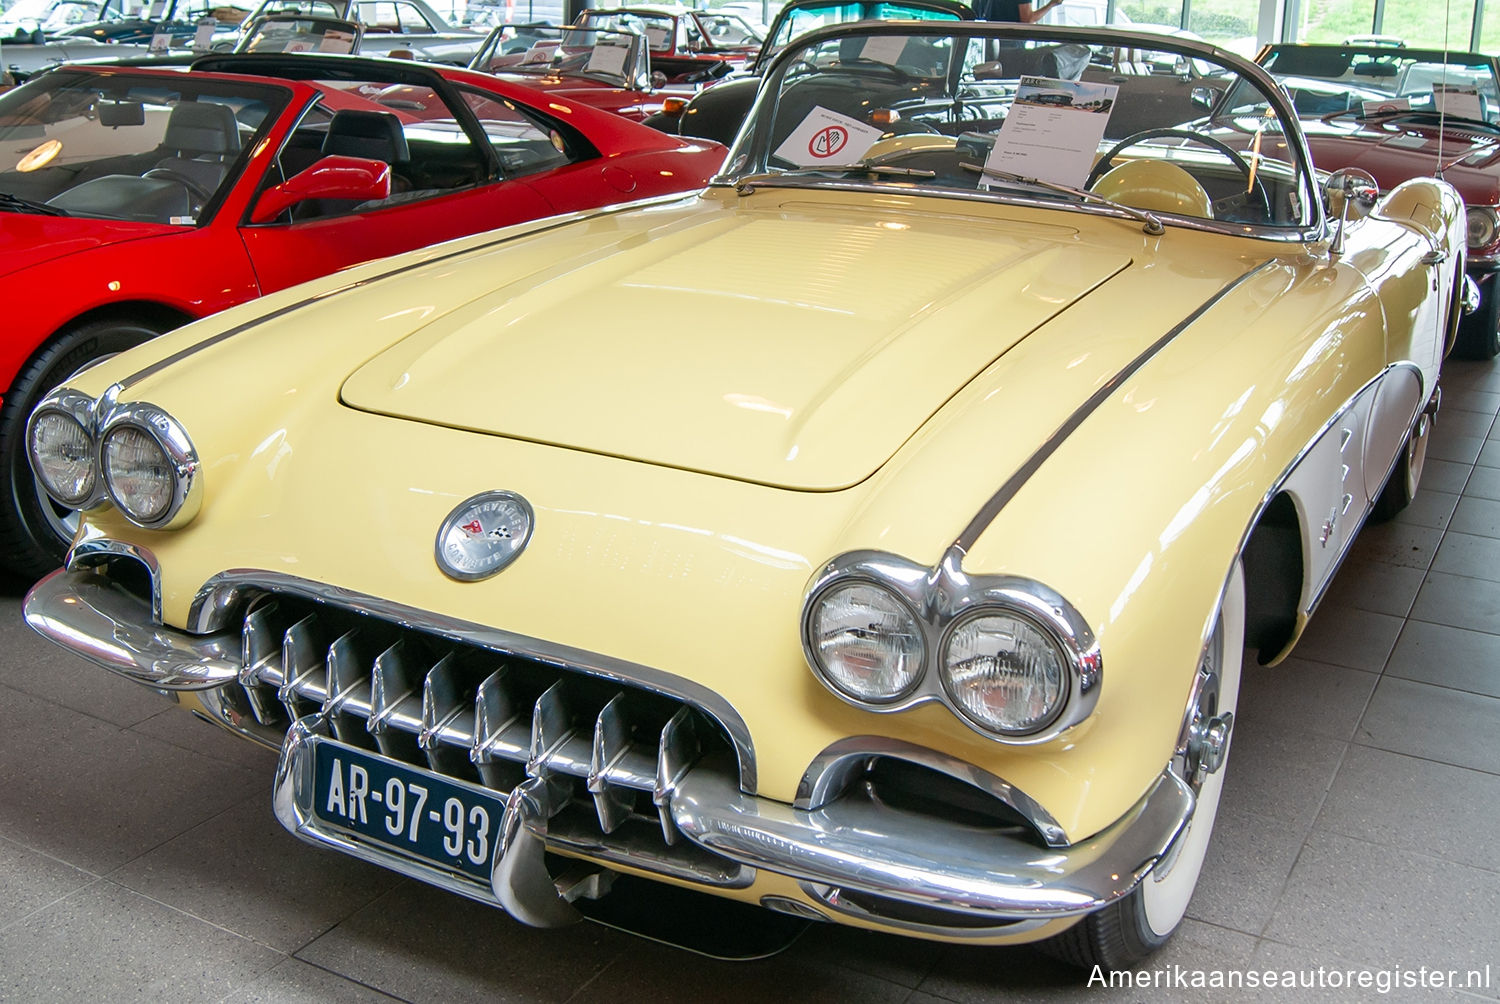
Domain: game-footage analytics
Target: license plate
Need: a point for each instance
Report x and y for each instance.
(421, 814)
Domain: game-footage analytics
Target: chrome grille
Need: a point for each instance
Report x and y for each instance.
(491, 718)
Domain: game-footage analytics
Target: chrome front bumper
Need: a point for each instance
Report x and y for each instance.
(853, 846)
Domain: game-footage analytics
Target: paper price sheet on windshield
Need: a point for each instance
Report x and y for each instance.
(1459, 100)
(336, 41)
(827, 139)
(1053, 130)
(608, 57)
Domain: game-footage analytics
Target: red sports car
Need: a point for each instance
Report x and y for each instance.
(138, 199)
(1400, 113)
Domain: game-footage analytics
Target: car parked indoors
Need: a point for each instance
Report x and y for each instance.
(876, 536)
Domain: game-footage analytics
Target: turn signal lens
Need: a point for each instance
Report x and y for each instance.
(1005, 673)
(866, 642)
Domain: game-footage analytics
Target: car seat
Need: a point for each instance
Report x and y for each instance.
(203, 138)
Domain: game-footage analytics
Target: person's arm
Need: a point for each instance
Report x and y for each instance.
(1031, 15)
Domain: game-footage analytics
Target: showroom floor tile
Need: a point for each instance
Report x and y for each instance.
(1360, 827)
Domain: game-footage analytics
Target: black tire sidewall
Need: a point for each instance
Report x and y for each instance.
(28, 544)
(1479, 333)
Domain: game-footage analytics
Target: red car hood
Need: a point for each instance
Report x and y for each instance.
(29, 239)
(1393, 154)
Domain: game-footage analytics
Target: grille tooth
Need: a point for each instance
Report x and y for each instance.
(348, 703)
(447, 734)
(611, 745)
(304, 668)
(502, 740)
(678, 750)
(260, 659)
(551, 727)
(395, 708)
(441, 704)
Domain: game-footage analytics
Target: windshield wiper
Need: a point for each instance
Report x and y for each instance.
(872, 166)
(1153, 225)
(8, 201)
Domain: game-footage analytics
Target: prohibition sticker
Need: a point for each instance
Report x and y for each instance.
(827, 139)
(1384, 106)
(827, 142)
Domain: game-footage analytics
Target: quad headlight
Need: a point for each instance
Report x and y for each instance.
(1482, 226)
(1010, 657)
(1004, 672)
(149, 467)
(60, 447)
(866, 642)
(85, 453)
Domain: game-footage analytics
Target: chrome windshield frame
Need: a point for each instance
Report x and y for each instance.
(751, 148)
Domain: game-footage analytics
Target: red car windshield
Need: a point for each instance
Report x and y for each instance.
(154, 149)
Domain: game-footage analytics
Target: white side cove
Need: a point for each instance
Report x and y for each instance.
(1335, 484)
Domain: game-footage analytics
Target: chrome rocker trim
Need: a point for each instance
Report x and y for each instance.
(860, 845)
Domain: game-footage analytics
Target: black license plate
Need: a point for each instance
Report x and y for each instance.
(421, 814)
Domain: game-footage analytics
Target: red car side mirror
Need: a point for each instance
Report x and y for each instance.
(330, 178)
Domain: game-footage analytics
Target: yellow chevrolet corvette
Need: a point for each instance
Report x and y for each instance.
(875, 536)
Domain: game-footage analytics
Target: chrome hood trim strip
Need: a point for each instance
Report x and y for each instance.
(1017, 481)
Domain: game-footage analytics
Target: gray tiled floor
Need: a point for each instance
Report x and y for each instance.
(1361, 826)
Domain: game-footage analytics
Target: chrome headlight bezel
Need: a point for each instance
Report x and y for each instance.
(182, 460)
(77, 407)
(945, 598)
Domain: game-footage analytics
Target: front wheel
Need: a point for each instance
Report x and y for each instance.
(1128, 930)
(34, 530)
(1479, 333)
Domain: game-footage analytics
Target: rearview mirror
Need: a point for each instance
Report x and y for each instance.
(121, 113)
(1205, 97)
(345, 178)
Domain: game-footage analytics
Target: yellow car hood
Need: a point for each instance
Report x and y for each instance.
(797, 346)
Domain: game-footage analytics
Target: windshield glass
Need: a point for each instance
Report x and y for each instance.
(1332, 79)
(659, 29)
(148, 149)
(726, 31)
(290, 33)
(1025, 113)
(617, 58)
(802, 19)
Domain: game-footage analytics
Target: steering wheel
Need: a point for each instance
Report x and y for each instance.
(865, 62)
(1235, 157)
(194, 187)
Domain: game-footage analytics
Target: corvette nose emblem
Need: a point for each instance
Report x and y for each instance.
(483, 535)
